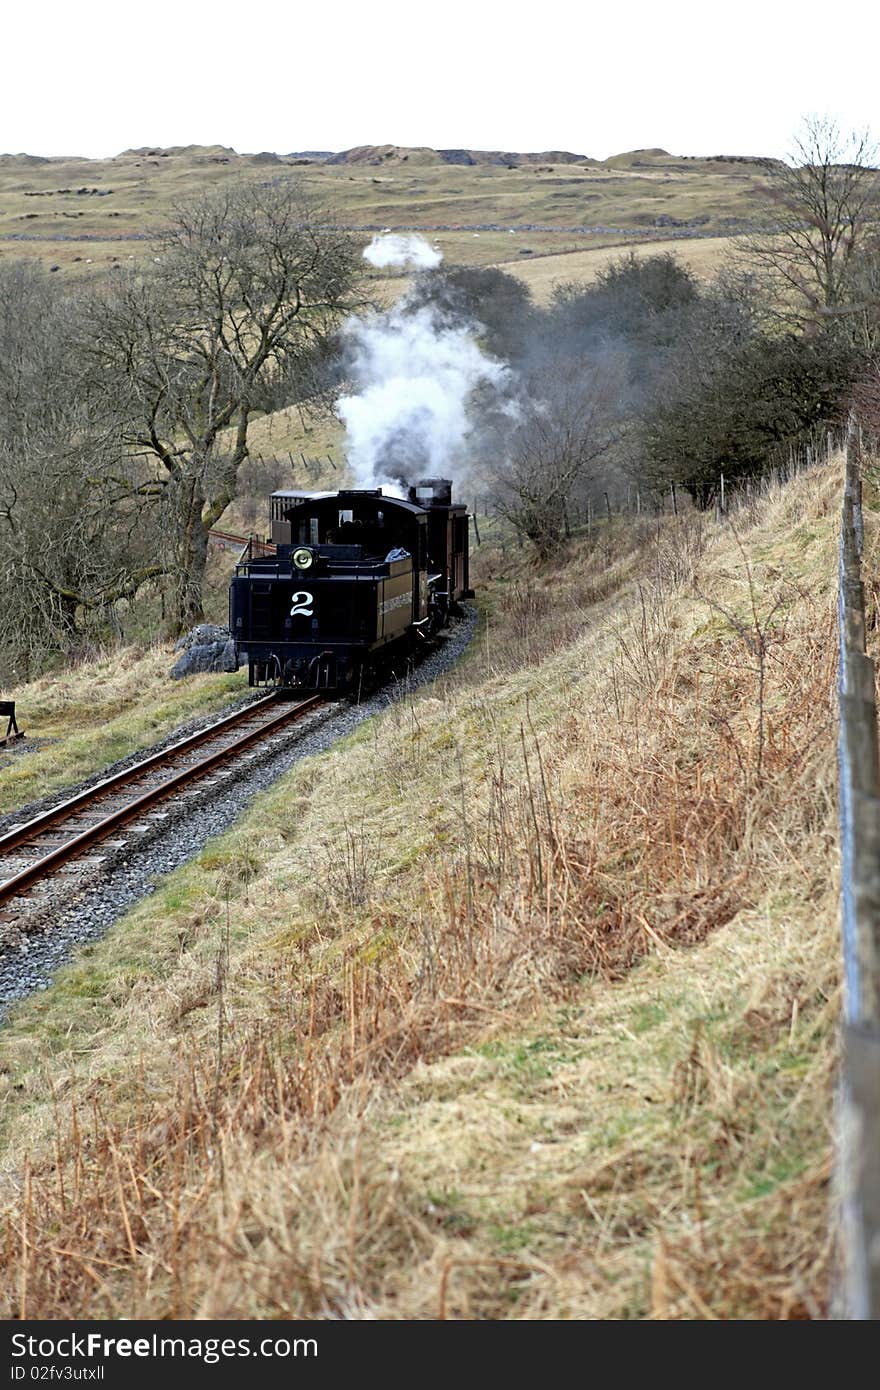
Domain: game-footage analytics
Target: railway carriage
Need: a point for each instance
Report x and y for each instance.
(357, 579)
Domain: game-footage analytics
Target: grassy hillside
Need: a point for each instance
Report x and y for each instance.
(518, 1003)
(703, 256)
(86, 217)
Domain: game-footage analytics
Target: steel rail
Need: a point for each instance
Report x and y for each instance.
(11, 887)
(46, 819)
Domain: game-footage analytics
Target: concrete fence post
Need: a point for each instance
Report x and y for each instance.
(858, 1155)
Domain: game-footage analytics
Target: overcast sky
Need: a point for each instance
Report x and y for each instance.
(99, 76)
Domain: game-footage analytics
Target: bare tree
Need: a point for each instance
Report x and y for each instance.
(248, 284)
(569, 424)
(72, 543)
(818, 209)
(866, 399)
(864, 322)
(73, 547)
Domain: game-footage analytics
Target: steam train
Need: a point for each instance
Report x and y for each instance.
(357, 580)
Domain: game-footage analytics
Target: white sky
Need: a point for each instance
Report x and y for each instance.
(99, 76)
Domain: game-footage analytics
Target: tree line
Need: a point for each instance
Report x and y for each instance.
(125, 409)
(648, 377)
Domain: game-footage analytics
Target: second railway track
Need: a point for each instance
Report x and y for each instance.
(32, 852)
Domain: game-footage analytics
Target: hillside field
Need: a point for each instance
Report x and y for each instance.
(518, 1003)
(85, 217)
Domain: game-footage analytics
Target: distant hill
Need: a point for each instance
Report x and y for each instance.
(662, 159)
(390, 155)
(422, 154)
(513, 159)
(168, 150)
(25, 159)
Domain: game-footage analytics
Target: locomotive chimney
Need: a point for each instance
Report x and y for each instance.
(432, 492)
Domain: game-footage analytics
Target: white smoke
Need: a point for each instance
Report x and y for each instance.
(415, 373)
(403, 251)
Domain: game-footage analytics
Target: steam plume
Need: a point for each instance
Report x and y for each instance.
(403, 251)
(415, 374)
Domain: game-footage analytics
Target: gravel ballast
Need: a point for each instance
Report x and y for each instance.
(186, 826)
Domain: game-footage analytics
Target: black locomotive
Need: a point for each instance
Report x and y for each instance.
(357, 579)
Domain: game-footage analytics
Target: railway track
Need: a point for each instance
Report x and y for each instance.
(42, 847)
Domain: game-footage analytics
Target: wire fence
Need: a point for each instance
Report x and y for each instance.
(630, 504)
(857, 1177)
(858, 1166)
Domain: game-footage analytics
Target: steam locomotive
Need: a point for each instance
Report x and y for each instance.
(357, 579)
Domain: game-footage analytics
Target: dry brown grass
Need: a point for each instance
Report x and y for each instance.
(538, 1023)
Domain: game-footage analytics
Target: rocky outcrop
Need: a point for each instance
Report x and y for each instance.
(206, 647)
